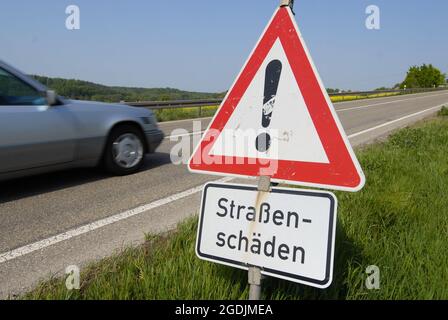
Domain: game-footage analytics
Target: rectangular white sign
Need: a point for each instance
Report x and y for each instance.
(288, 233)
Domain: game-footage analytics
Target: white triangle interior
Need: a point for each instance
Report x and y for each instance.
(294, 136)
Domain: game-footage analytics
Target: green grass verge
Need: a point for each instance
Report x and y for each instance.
(350, 97)
(398, 222)
(184, 113)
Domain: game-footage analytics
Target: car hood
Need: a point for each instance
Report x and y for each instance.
(101, 106)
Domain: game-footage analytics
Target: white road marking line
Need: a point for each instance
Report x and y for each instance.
(39, 245)
(395, 121)
(389, 102)
(185, 134)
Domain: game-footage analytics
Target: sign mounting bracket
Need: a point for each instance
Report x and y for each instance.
(287, 3)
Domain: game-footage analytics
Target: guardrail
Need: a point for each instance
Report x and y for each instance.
(345, 96)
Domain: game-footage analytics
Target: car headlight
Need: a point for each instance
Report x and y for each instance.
(149, 121)
(146, 120)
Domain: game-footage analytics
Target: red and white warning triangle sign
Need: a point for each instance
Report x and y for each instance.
(278, 121)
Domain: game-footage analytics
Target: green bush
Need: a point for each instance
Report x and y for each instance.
(443, 112)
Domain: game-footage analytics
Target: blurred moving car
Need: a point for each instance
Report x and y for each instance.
(42, 132)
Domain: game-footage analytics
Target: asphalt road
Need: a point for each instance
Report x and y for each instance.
(51, 221)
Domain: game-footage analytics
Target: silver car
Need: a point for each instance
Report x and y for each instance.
(41, 132)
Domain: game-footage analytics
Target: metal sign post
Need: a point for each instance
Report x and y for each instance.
(254, 275)
(255, 279)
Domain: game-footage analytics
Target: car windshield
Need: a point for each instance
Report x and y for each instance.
(14, 92)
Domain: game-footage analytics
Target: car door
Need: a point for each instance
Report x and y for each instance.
(32, 134)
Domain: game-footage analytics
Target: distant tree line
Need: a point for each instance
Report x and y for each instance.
(84, 90)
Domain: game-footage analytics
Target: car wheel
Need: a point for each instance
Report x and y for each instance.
(125, 151)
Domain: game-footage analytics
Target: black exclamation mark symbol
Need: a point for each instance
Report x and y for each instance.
(272, 79)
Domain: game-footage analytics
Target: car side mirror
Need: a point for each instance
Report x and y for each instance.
(52, 98)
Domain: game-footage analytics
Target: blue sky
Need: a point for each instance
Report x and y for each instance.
(201, 45)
